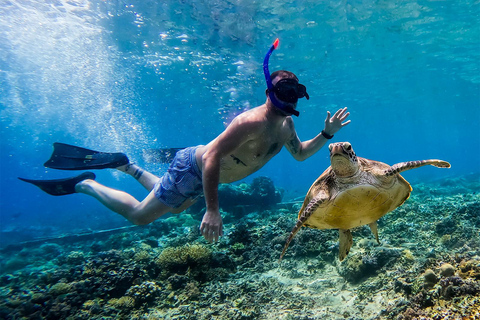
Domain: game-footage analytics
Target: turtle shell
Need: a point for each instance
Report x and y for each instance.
(358, 200)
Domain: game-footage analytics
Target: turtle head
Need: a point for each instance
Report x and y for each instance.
(343, 159)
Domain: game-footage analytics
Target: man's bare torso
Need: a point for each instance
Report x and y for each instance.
(254, 153)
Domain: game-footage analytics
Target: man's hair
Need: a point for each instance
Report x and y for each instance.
(283, 74)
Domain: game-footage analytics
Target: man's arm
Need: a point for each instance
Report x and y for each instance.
(303, 150)
(238, 132)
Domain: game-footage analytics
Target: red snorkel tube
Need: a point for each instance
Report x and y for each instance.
(285, 108)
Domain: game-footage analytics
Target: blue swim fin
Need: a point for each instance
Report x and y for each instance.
(68, 157)
(60, 187)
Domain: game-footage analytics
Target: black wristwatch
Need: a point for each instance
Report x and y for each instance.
(326, 135)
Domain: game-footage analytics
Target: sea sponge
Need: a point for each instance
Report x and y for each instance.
(429, 278)
(447, 270)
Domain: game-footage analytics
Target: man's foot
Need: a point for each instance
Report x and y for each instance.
(60, 187)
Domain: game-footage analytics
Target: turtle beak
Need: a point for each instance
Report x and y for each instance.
(336, 150)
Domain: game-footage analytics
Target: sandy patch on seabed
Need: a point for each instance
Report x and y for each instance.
(334, 297)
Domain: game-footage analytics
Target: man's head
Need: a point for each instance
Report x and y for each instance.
(282, 74)
(286, 88)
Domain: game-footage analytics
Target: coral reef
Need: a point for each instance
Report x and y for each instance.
(427, 266)
(239, 200)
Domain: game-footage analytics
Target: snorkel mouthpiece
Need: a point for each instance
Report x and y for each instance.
(285, 108)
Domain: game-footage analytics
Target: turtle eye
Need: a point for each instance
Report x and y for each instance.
(348, 146)
(330, 146)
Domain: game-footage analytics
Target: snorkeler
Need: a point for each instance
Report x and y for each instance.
(245, 146)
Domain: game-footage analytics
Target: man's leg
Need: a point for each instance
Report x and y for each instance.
(189, 202)
(146, 178)
(138, 213)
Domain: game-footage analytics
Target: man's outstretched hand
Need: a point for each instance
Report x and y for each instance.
(337, 122)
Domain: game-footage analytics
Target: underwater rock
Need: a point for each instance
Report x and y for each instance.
(265, 193)
(261, 194)
(353, 269)
(401, 285)
(456, 286)
(178, 281)
(311, 243)
(470, 211)
(241, 234)
(362, 265)
(222, 260)
(239, 200)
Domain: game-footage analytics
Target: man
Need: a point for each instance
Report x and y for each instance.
(246, 145)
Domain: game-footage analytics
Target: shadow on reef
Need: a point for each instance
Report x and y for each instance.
(426, 267)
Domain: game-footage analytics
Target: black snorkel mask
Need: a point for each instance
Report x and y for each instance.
(288, 90)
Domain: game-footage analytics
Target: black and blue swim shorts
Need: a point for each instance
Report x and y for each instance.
(182, 180)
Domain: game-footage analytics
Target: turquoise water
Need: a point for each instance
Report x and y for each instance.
(131, 75)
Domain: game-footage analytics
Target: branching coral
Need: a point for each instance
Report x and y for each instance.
(192, 260)
(184, 256)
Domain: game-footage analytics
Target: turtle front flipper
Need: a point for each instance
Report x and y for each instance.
(346, 241)
(403, 166)
(309, 210)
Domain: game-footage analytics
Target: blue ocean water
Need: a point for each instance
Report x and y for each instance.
(131, 75)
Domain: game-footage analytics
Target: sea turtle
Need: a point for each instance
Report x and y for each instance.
(354, 192)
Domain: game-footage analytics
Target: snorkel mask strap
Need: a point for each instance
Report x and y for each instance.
(287, 109)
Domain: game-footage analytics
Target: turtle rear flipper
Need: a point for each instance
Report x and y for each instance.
(403, 166)
(346, 241)
(374, 228)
